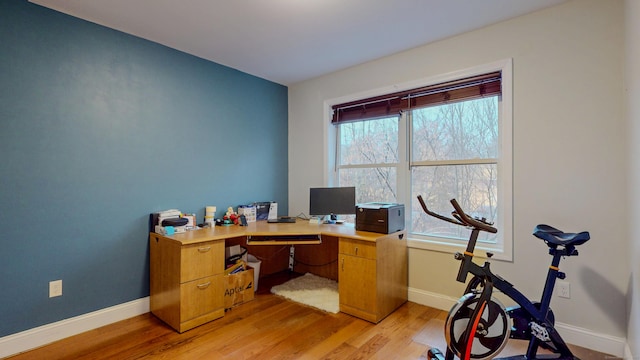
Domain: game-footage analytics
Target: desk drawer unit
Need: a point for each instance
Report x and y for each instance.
(372, 276)
(186, 281)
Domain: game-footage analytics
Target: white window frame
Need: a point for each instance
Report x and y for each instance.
(503, 249)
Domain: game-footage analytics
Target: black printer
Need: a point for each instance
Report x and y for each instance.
(385, 218)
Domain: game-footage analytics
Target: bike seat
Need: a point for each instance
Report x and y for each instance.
(554, 236)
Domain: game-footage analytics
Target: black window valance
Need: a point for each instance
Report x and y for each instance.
(392, 104)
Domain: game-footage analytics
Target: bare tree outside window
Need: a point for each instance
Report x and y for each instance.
(453, 154)
(369, 159)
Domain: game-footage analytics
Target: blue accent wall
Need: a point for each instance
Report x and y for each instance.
(97, 130)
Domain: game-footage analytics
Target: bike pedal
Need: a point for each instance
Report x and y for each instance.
(435, 354)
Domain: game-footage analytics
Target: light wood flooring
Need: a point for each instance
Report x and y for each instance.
(269, 327)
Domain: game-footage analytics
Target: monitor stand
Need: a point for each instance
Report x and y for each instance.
(332, 219)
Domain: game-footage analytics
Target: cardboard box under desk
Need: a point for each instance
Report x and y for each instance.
(238, 288)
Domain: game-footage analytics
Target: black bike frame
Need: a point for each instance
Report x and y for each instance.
(540, 314)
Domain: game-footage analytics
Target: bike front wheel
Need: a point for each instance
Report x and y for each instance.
(490, 334)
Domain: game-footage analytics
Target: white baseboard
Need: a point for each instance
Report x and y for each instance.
(571, 334)
(46, 334)
(588, 339)
(431, 299)
(627, 353)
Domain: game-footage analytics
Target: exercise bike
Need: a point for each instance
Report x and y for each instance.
(478, 326)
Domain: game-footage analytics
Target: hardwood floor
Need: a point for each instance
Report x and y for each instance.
(268, 327)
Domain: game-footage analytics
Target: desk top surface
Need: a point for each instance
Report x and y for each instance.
(263, 228)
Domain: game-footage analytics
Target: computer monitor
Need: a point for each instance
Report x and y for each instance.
(332, 201)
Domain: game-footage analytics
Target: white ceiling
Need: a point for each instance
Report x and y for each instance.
(287, 41)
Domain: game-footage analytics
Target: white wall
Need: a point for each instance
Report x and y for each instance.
(569, 151)
(632, 84)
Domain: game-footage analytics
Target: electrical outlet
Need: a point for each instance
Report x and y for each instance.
(55, 288)
(564, 289)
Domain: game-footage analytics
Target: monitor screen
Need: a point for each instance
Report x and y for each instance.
(332, 201)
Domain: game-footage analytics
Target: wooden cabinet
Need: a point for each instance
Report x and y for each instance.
(372, 276)
(186, 281)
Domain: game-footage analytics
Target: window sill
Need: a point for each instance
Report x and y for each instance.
(450, 248)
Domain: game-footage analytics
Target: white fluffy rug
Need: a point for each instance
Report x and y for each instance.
(312, 290)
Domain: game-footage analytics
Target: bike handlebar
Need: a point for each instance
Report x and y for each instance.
(436, 215)
(466, 219)
(461, 218)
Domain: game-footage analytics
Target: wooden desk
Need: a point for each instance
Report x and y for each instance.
(186, 270)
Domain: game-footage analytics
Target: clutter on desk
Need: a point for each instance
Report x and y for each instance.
(230, 218)
(179, 221)
(166, 222)
(173, 221)
(273, 211)
(249, 212)
(168, 214)
(262, 210)
(191, 220)
(209, 215)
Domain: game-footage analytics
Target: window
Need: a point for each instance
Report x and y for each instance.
(368, 159)
(445, 138)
